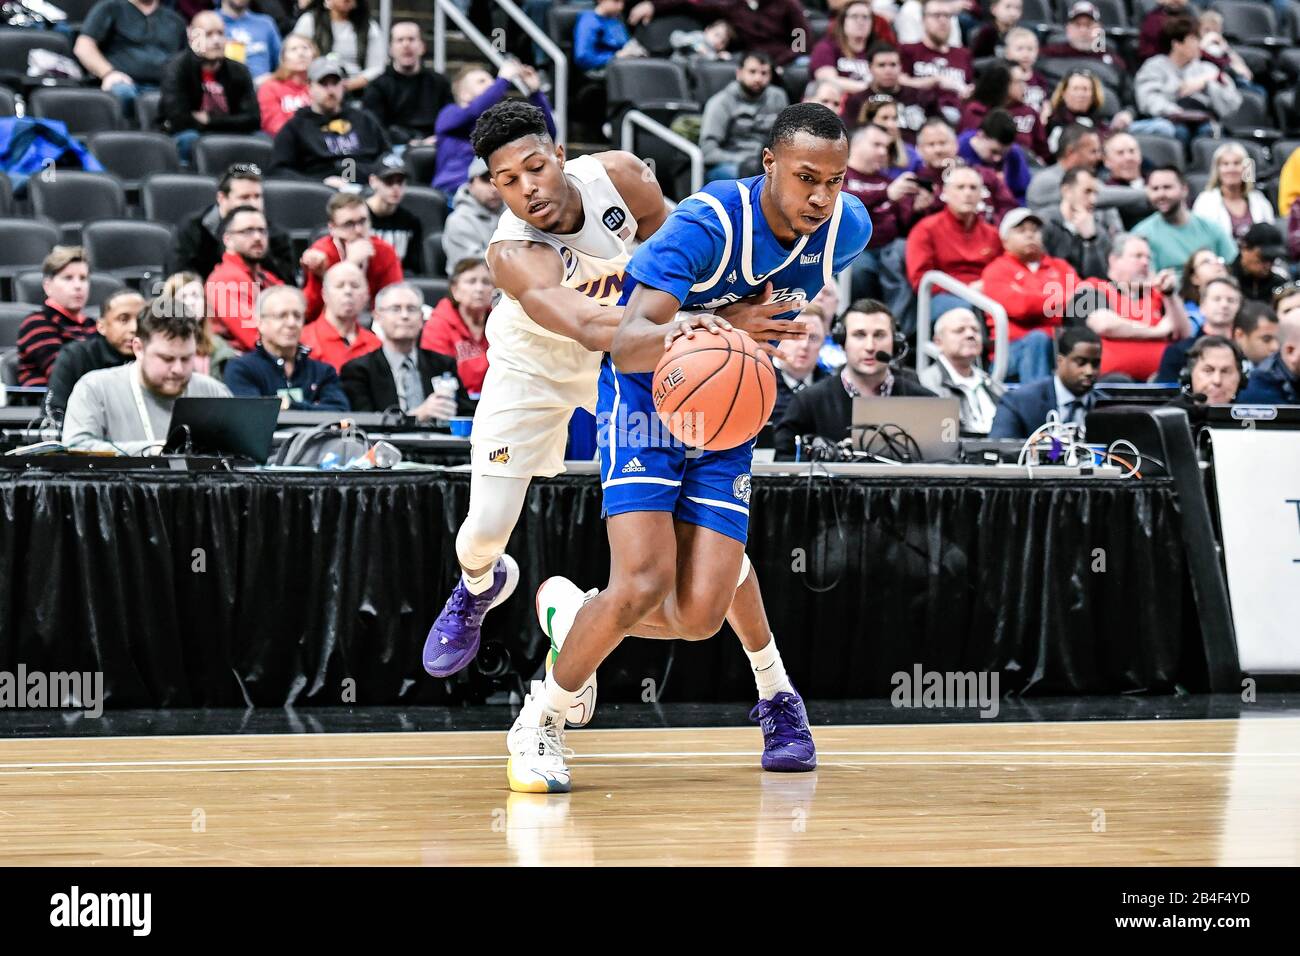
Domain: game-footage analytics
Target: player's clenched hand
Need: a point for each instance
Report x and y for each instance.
(687, 324)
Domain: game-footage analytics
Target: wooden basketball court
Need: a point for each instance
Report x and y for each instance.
(1128, 792)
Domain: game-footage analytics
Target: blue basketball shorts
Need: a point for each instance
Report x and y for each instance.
(644, 468)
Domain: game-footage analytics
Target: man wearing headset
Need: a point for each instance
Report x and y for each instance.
(872, 347)
(1214, 369)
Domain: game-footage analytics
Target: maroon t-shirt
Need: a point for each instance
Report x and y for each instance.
(1030, 134)
(827, 53)
(920, 61)
(1037, 91)
(914, 108)
(872, 189)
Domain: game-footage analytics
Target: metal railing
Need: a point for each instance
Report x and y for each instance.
(977, 299)
(655, 128)
(444, 9)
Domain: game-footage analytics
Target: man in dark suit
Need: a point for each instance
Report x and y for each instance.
(826, 409)
(797, 367)
(421, 383)
(1069, 392)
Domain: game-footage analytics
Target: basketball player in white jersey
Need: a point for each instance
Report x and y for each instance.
(557, 256)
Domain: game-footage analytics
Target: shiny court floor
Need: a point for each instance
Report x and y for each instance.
(1165, 792)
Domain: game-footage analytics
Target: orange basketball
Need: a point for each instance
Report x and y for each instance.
(714, 391)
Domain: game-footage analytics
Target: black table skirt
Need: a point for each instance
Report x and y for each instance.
(233, 589)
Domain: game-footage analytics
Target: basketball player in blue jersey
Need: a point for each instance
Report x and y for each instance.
(678, 519)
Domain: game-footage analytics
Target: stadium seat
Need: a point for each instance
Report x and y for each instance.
(1160, 151)
(1284, 110)
(129, 249)
(8, 366)
(297, 207)
(1196, 185)
(1248, 22)
(654, 36)
(16, 44)
(795, 80)
(28, 288)
(24, 244)
(7, 102)
(1055, 67)
(433, 289)
(131, 155)
(146, 109)
(656, 87)
(214, 153)
(420, 160)
(1259, 61)
(6, 195)
(83, 111)
(76, 11)
(713, 76)
(11, 316)
(1114, 14)
(560, 23)
(173, 197)
(435, 260)
(71, 198)
(1282, 151)
(428, 205)
(1037, 13)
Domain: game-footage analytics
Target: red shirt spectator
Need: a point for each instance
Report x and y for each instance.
(1032, 286)
(957, 240)
(382, 269)
(42, 334)
(285, 91)
(350, 236)
(330, 345)
(231, 290)
(458, 324)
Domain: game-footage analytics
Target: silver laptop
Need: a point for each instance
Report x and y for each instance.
(933, 423)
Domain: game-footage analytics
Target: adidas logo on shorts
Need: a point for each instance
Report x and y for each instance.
(633, 465)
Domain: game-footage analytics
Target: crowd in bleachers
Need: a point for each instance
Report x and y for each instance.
(1119, 169)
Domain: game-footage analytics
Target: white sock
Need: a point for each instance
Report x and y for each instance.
(554, 697)
(769, 672)
(477, 585)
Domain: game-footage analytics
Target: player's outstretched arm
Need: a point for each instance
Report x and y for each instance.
(532, 274)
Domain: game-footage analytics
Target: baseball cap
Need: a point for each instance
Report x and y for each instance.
(478, 168)
(391, 166)
(1267, 239)
(324, 66)
(1014, 218)
(1084, 9)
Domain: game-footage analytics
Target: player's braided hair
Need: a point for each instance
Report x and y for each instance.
(504, 123)
(811, 118)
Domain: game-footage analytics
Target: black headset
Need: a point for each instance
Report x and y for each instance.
(839, 335)
(1198, 349)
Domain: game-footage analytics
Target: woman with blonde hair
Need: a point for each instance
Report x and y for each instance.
(285, 91)
(184, 291)
(882, 110)
(1230, 199)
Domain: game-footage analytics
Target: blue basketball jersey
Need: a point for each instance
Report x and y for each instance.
(717, 248)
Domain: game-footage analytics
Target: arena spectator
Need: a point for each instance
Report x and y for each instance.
(826, 409)
(880, 110)
(827, 302)
(1214, 366)
(329, 140)
(1181, 87)
(1084, 38)
(458, 324)
(879, 271)
(957, 373)
(1136, 313)
(104, 410)
(1078, 99)
(841, 55)
(204, 91)
(286, 91)
(1022, 49)
(956, 240)
(343, 31)
(936, 148)
(1076, 230)
(798, 366)
(1255, 333)
(337, 336)
(475, 92)
(184, 290)
(350, 239)
(991, 38)
(1033, 287)
(914, 105)
(711, 43)
(280, 366)
(1258, 269)
(398, 227)
(126, 43)
(233, 286)
(1069, 393)
(66, 283)
(1230, 199)
(108, 347)
(738, 119)
(198, 245)
(400, 374)
(1288, 187)
(1001, 86)
(1216, 49)
(828, 93)
(766, 26)
(1202, 266)
(474, 217)
(1121, 173)
(255, 36)
(910, 26)
(600, 35)
(1220, 304)
(1173, 230)
(1276, 380)
(936, 63)
(407, 98)
(993, 146)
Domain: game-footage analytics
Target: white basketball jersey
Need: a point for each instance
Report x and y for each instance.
(594, 257)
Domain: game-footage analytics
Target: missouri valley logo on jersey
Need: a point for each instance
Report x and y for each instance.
(613, 218)
(811, 260)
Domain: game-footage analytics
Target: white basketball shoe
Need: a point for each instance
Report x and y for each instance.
(558, 603)
(537, 752)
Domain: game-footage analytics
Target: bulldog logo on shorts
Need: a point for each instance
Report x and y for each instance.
(740, 488)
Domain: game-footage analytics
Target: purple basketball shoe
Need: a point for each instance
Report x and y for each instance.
(787, 742)
(453, 639)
